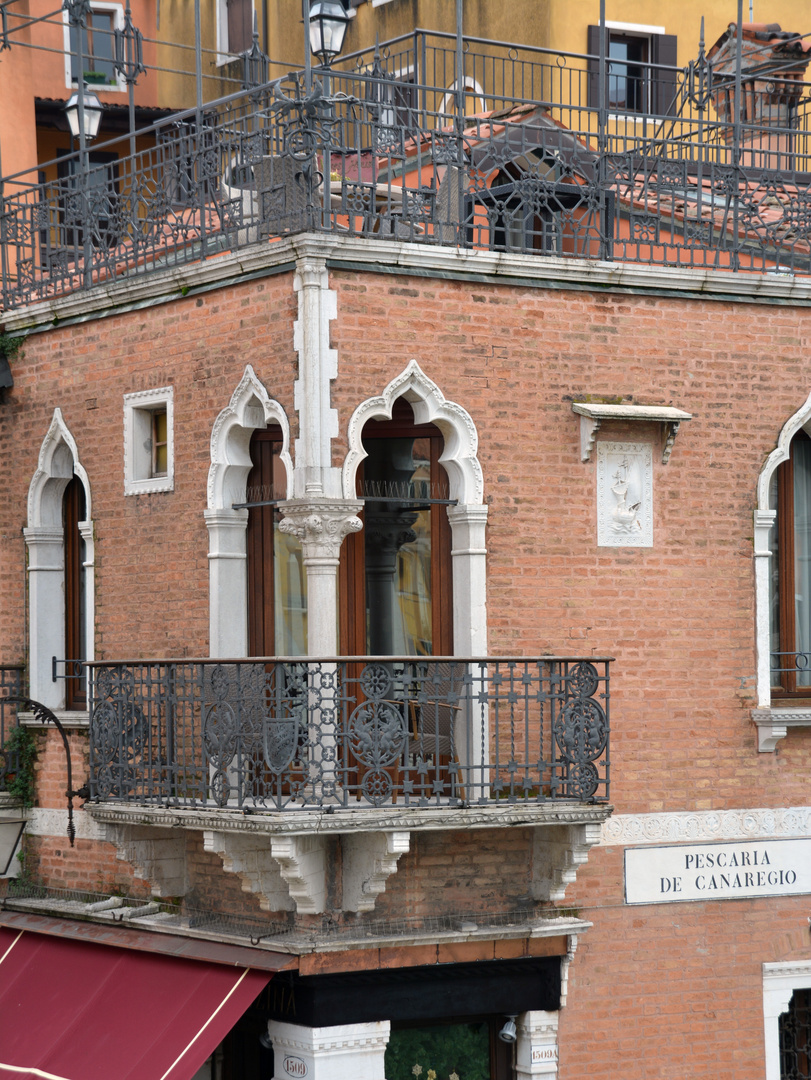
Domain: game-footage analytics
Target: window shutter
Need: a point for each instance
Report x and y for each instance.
(663, 51)
(593, 49)
(240, 25)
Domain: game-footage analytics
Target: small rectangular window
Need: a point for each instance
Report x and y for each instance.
(148, 441)
(97, 46)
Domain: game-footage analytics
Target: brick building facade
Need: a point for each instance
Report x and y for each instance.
(654, 990)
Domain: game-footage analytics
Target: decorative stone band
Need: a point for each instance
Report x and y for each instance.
(683, 827)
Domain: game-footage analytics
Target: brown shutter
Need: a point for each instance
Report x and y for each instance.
(663, 51)
(593, 66)
(240, 25)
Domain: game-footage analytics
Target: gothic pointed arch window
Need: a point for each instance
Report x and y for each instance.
(395, 582)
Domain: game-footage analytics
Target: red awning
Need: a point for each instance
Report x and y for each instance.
(73, 1011)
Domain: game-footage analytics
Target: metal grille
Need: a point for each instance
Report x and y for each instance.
(543, 167)
(359, 732)
(795, 1038)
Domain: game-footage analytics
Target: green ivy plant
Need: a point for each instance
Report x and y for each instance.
(21, 745)
(10, 346)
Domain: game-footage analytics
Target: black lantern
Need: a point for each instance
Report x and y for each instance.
(328, 19)
(92, 114)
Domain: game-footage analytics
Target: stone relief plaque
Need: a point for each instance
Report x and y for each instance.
(624, 494)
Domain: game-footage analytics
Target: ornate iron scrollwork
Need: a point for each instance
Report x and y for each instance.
(44, 715)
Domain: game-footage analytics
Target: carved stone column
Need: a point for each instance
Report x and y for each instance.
(320, 526)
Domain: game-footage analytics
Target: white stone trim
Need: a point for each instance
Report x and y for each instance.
(536, 1048)
(430, 407)
(634, 28)
(156, 855)
(58, 462)
(303, 865)
(369, 860)
(780, 980)
(315, 475)
(249, 857)
(138, 410)
(557, 852)
(468, 518)
(773, 728)
(685, 826)
(342, 1052)
(250, 408)
(53, 822)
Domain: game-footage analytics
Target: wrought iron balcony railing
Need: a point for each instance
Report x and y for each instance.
(354, 732)
(540, 156)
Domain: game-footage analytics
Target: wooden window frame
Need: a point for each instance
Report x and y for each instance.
(259, 546)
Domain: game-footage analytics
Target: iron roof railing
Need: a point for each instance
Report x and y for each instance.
(550, 159)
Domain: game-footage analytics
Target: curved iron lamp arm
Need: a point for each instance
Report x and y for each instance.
(44, 715)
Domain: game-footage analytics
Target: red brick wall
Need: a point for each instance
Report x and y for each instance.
(151, 550)
(670, 991)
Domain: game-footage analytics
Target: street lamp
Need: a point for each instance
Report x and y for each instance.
(93, 109)
(328, 19)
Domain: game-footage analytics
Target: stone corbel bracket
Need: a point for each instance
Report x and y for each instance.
(157, 855)
(248, 855)
(557, 852)
(290, 872)
(592, 417)
(773, 724)
(369, 860)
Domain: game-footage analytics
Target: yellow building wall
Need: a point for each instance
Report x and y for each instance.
(18, 141)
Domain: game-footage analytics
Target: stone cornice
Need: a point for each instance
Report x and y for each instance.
(299, 822)
(389, 256)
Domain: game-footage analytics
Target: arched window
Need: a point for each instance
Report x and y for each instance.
(277, 585)
(59, 538)
(396, 590)
(790, 608)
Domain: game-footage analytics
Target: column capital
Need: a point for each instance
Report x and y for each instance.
(320, 526)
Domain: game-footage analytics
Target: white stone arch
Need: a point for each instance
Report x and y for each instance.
(765, 518)
(468, 84)
(467, 518)
(250, 408)
(57, 464)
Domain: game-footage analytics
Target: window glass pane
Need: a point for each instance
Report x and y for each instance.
(290, 594)
(447, 1049)
(626, 80)
(97, 48)
(801, 454)
(160, 447)
(398, 547)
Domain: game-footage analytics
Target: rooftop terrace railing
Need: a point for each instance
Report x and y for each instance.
(356, 732)
(543, 153)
